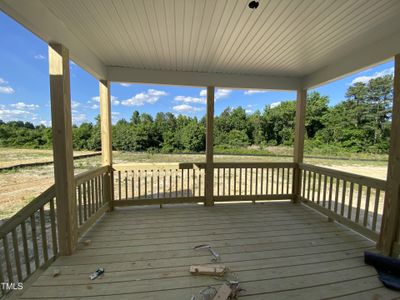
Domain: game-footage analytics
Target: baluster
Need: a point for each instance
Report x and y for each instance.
(133, 184)
(350, 200)
(182, 191)
(26, 249)
(16, 255)
(152, 183)
(319, 188)
(267, 182)
(325, 187)
(330, 193)
(337, 194)
(85, 204)
(240, 181)
(277, 181)
(245, 181)
(44, 235)
(366, 211)
(283, 181)
(53, 227)
(229, 181)
(343, 197)
(194, 182)
(288, 180)
(139, 185)
(176, 183)
(158, 184)
(376, 207)
(34, 241)
(262, 181)
(313, 187)
(7, 259)
(359, 197)
(145, 184)
(80, 204)
(119, 186)
(304, 172)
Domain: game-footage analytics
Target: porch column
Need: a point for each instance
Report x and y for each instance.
(62, 148)
(299, 141)
(389, 240)
(106, 140)
(209, 181)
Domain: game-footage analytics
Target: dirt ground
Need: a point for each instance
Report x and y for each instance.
(18, 187)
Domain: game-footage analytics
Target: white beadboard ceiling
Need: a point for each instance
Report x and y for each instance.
(312, 41)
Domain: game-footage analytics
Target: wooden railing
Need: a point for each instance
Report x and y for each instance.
(28, 240)
(354, 200)
(91, 196)
(253, 181)
(185, 182)
(158, 183)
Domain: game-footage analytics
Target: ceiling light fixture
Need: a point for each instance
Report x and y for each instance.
(253, 4)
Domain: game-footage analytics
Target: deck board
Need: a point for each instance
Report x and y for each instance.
(276, 250)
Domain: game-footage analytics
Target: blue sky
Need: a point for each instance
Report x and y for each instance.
(24, 87)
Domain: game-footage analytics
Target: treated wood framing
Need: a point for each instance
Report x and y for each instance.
(299, 140)
(391, 214)
(106, 139)
(209, 181)
(62, 148)
(201, 79)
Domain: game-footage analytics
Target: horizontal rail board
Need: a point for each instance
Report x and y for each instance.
(159, 201)
(253, 197)
(85, 176)
(249, 165)
(360, 179)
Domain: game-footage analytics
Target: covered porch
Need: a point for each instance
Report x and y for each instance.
(268, 220)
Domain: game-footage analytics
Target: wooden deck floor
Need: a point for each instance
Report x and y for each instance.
(276, 251)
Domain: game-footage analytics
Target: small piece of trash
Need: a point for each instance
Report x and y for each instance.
(87, 242)
(56, 272)
(96, 273)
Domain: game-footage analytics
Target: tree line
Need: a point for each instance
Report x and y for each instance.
(359, 123)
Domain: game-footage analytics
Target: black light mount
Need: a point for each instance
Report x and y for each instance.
(254, 4)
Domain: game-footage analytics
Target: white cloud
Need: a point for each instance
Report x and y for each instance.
(125, 84)
(45, 123)
(94, 106)
(15, 114)
(275, 104)
(251, 92)
(248, 111)
(75, 104)
(219, 93)
(22, 106)
(151, 96)
(365, 79)
(78, 118)
(185, 108)
(2, 81)
(39, 57)
(188, 99)
(114, 100)
(6, 90)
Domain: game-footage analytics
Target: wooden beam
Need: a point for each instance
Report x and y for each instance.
(106, 140)
(209, 180)
(201, 79)
(299, 140)
(62, 148)
(390, 229)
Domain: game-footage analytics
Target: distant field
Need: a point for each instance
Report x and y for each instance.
(18, 187)
(10, 157)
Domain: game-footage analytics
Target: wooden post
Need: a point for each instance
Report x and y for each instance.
(106, 140)
(209, 180)
(299, 141)
(389, 235)
(62, 148)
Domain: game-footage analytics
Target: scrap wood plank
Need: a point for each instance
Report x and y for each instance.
(218, 270)
(223, 293)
